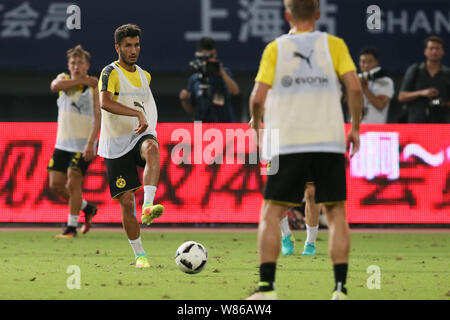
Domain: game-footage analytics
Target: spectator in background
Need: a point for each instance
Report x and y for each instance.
(378, 89)
(208, 90)
(426, 86)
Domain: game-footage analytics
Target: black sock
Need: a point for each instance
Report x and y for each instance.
(267, 276)
(340, 276)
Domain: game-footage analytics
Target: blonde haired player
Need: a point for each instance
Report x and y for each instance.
(299, 77)
(78, 127)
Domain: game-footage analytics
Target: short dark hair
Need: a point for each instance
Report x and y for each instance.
(127, 30)
(369, 50)
(302, 9)
(78, 51)
(434, 39)
(206, 43)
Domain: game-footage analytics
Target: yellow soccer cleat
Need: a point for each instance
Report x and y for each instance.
(339, 296)
(142, 262)
(266, 295)
(150, 212)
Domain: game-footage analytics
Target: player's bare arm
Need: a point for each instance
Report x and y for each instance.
(257, 101)
(355, 104)
(60, 83)
(107, 103)
(89, 151)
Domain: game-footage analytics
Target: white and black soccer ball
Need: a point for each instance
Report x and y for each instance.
(191, 257)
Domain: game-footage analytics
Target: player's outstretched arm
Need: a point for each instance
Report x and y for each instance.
(256, 105)
(108, 104)
(355, 104)
(61, 83)
(89, 151)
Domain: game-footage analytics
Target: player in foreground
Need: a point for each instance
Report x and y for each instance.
(78, 127)
(128, 135)
(302, 72)
(312, 215)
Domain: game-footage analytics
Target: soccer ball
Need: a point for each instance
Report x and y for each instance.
(191, 257)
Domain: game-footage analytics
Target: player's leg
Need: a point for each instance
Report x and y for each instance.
(123, 180)
(131, 226)
(57, 176)
(57, 183)
(287, 238)
(58, 169)
(338, 245)
(331, 191)
(312, 213)
(74, 188)
(149, 152)
(281, 192)
(76, 172)
(269, 238)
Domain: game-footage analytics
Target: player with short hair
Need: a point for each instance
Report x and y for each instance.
(128, 135)
(299, 75)
(78, 127)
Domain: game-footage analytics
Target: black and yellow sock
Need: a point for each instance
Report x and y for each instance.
(267, 276)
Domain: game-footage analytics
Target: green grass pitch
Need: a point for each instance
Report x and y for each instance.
(33, 265)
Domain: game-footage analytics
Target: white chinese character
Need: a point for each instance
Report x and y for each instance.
(378, 156)
(18, 21)
(55, 22)
(207, 14)
(263, 18)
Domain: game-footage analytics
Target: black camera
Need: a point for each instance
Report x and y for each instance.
(373, 74)
(203, 66)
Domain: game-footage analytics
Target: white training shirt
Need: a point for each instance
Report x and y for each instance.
(303, 106)
(117, 136)
(75, 119)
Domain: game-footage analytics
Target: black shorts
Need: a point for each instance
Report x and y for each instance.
(122, 173)
(326, 170)
(63, 160)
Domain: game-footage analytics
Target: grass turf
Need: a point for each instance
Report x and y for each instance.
(33, 265)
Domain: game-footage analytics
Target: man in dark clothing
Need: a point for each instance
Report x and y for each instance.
(426, 86)
(207, 94)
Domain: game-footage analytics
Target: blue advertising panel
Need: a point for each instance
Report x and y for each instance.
(35, 34)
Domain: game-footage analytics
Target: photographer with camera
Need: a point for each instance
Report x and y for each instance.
(378, 89)
(208, 90)
(426, 86)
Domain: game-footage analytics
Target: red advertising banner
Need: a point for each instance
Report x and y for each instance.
(210, 173)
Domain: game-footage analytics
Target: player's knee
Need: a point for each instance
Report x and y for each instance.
(56, 186)
(127, 203)
(150, 149)
(73, 183)
(310, 194)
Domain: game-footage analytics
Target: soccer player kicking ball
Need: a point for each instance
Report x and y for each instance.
(128, 135)
(300, 72)
(78, 127)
